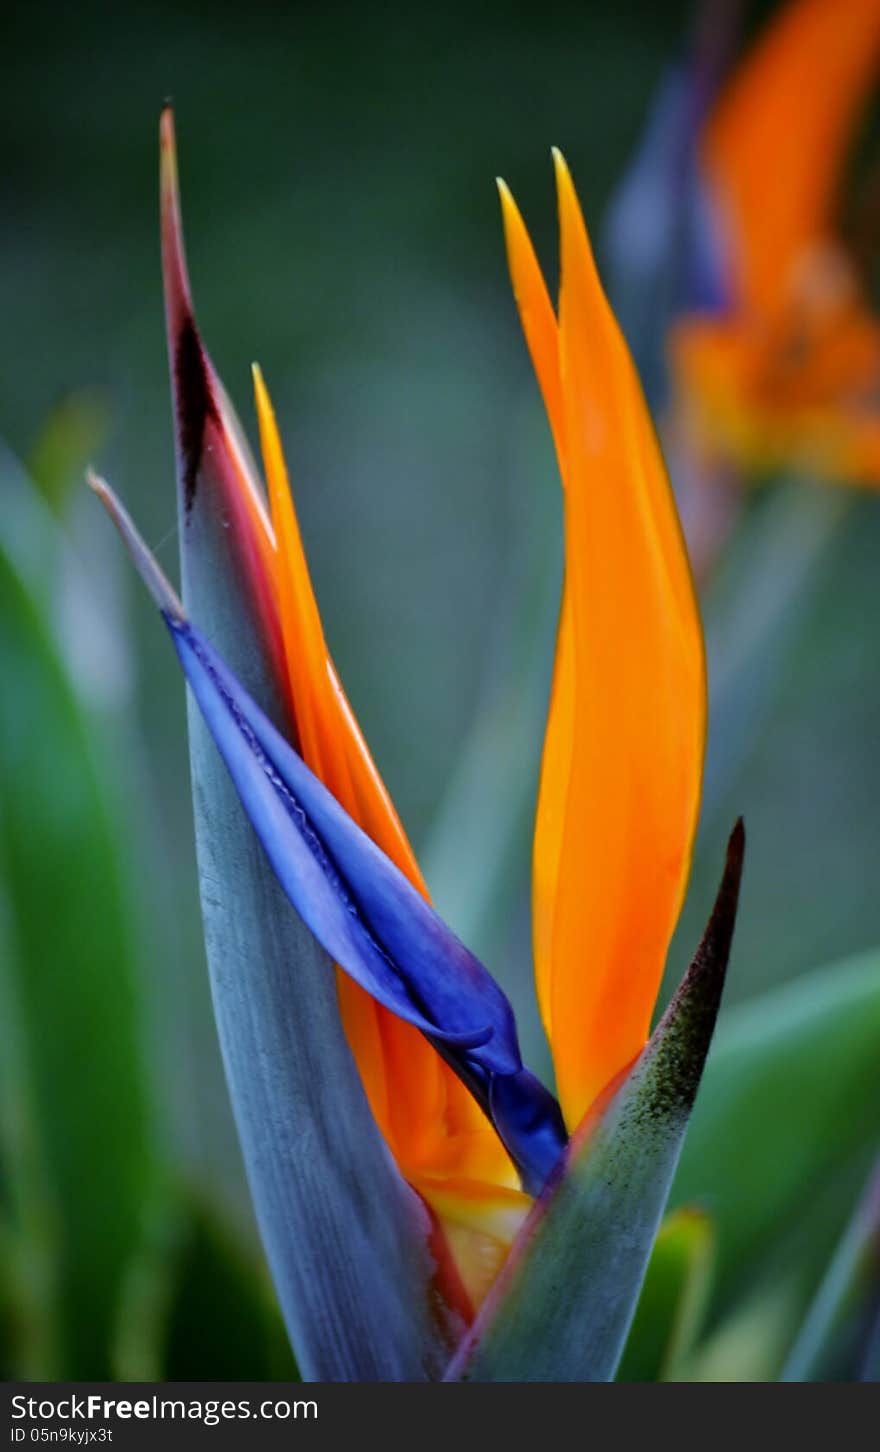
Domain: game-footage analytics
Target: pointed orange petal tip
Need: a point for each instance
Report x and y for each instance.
(569, 206)
(261, 392)
(536, 312)
(510, 214)
(572, 227)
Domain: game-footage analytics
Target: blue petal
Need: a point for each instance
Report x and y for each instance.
(370, 918)
(356, 902)
(530, 1123)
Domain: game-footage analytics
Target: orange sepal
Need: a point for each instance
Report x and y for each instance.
(431, 1122)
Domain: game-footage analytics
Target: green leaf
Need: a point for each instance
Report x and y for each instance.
(789, 1097)
(28, 1330)
(223, 1321)
(199, 1306)
(837, 1331)
(750, 1343)
(563, 1303)
(673, 1299)
(77, 1136)
(70, 437)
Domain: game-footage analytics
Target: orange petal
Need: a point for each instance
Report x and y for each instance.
(536, 314)
(623, 755)
(311, 687)
(640, 695)
(542, 336)
(430, 1120)
(776, 142)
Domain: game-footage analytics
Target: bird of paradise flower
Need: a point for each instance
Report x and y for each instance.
(472, 1132)
(786, 374)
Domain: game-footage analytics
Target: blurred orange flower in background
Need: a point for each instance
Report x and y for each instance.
(789, 374)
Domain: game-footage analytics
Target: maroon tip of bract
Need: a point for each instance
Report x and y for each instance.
(193, 401)
(190, 370)
(178, 299)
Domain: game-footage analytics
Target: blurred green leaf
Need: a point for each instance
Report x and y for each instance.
(756, 606)
(198, 1306)
(750, 1343)
(790, 1095)
(79, 1104)
(832, 1342)
(28, 1337)
(673, 1299)
(69, 439)
(223, 1320)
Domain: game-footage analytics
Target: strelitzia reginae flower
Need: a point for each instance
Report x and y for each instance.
(787, 373)
(386, 1247)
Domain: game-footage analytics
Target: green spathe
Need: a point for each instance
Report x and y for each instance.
(562, 1306)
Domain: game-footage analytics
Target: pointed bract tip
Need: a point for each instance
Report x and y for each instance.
(178, 300)
(736, 845)
(719, 932)
(194, 397)
(709, 965)
(168, 145)
(144, 561)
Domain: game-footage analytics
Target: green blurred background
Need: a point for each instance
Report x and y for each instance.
(337, 166)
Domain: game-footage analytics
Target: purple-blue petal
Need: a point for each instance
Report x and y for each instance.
(529, 1121)
(370, 918)
(361, 908)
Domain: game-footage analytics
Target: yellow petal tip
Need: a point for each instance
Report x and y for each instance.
(564, 183)
(509, 211)
(265, 411)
